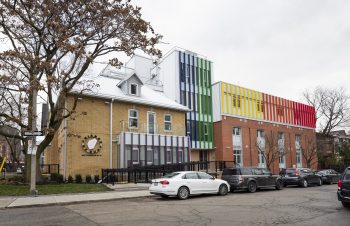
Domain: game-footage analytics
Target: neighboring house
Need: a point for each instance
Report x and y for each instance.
(186, 78)
(11, 148)
(123, 123)
(243, 118)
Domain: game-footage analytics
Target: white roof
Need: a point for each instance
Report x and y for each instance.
(108, 89)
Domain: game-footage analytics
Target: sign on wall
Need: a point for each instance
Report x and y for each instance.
(92, 144)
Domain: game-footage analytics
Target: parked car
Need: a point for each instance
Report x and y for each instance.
(186, 183)
(301, 176)
(344, 188)
(329, 176)
(250, 179)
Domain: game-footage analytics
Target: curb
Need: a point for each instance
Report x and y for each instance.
(76, 202)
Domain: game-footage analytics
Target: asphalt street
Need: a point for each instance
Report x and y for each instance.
(290, 206)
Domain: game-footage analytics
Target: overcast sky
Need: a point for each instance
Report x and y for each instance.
(278, 47)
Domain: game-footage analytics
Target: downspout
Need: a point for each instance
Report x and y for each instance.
(110, 134)
(65, 144)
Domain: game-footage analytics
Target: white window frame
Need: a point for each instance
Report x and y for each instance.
(131, 117)
(155, 121)
(281, 150)
(171, 122)
(261, 157)
(136, 85)
(298, 155)
(180, 155)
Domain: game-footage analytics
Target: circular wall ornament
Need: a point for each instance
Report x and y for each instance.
(91, 144)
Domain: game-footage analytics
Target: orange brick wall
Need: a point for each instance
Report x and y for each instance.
(224, 146)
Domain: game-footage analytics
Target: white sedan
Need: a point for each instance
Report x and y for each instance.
(185, 183)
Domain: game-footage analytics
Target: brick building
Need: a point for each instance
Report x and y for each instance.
(122, 123)
(250, 127)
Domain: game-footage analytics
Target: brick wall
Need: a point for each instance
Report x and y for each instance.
(224, 146)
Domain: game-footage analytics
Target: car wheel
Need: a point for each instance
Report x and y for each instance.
(319, 182)
(223, 190)
(252, 187)
(279, 185)
(164, 196)
(183, 193)
(304, 183)
(346, 204)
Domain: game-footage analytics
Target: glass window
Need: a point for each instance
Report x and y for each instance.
(236, 131)
(204, 176)
(257, 172)
(191, 176)
(168, 155)
(167, 122)
(133, 118)
(245, 171)
(237, 155)
(133, 89)
(149, 155)
(156, 156)
(180, 154)
(170, 175)
(135, 155)
(266, 172)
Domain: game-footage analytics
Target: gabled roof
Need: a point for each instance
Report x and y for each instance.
(128, 77)
(109, 89)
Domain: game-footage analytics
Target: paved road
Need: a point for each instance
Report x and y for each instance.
(291, 206)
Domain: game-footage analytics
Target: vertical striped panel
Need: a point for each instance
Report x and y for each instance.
(240, 101)
(231, 100)
(223, 97)
(227, 98)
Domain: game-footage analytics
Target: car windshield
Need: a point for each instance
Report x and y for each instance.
(170, 175)
(291, 171)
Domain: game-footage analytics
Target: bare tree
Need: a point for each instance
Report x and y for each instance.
(309, 151)
(332, 107)
(271, 148)
(51, 45)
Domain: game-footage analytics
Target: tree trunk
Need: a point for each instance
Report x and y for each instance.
(27, 169)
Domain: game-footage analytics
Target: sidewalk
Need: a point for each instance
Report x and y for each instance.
(120, 192)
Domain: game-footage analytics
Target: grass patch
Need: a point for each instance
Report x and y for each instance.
(48, 189)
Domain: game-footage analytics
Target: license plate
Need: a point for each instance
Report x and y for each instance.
(155, 183)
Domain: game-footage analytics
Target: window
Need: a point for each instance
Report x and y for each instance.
(191, 176)
(168, 155)
(180, 154)
(281, 150)
(236, 131)
(133, 89)
(298, 150)
(133, 118)
(204, 176)
(135, 155)
(167, 122)
(237, 156)
(261, 148)
(149, 156)
(257, 172)
(266, 172)
(205, 129)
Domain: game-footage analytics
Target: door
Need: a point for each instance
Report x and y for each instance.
(270, 180)
(151, 122)
(192, 182)
(259, 177)
(208, 185)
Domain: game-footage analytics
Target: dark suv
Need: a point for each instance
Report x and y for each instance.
(301, 176)
(251, 178)
(344, 188)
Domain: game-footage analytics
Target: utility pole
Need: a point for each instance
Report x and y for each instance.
(33, 190)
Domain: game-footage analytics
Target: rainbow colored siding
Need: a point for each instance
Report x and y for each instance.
(243, 102)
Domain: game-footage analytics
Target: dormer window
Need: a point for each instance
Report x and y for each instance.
(133, 89)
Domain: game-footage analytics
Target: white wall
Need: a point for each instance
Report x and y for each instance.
(216, 101)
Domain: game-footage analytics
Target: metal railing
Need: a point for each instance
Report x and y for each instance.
(158, 129)
(50, 168)
(146, 173)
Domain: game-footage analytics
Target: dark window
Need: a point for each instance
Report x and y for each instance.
(347, 175)
(245, 171)
(231, 172)
(266, 172)
(291, 171)
(133, 89)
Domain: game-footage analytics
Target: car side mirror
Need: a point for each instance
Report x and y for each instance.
(212, 178)
(270, 174)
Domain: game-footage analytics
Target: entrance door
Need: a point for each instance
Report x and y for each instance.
(151, 122)
(203, 158)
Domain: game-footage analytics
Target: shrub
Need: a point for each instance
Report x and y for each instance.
(96, 178)
(78, 179)
(88, 179)
(70, 179)
(54, 177)
(60, 178)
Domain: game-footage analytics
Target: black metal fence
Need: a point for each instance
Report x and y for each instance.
(144, 174)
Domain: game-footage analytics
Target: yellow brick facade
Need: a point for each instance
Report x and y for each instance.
(96, 121)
